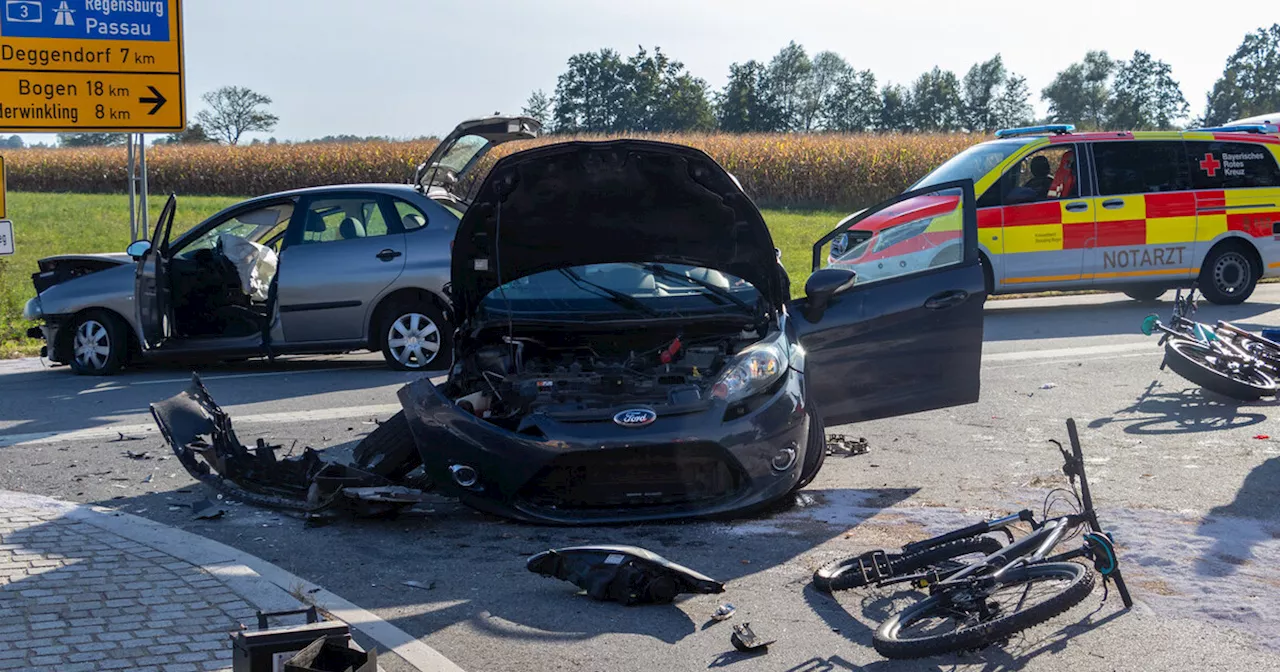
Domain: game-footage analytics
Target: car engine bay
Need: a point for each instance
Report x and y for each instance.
(580, 374)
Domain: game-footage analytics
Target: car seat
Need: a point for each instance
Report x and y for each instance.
(315, 228)
(350, 228)
(1064, 179)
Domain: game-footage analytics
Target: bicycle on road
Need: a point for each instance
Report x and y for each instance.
(1222, 358)
(981, 591)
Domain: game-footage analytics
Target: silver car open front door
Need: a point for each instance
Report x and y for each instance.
(152, 300)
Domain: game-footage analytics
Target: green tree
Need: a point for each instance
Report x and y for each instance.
(234, 111)
(982, 86)
(1145, 96)
(14, 142)
(740, 106)
(853, 104)
(786, 80)
(1250, 82)
(935, 101)
(591, 93)
(92, 139)
(1079, 94)
(895, 108)
(194, 135)
(1012, 107)
(538, 107)
(827, 70)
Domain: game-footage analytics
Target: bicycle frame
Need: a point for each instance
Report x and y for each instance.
(1031, 549)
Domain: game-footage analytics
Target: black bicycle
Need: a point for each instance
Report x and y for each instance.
(1221, 358)
(981, 591)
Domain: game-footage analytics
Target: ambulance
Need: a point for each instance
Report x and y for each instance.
(1137, 212)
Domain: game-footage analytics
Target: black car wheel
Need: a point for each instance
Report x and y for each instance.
(99, 341)
(1228, 275)
(416, 337)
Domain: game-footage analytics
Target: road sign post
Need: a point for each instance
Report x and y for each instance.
(91, 65)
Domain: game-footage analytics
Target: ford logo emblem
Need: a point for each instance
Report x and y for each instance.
(635, 417)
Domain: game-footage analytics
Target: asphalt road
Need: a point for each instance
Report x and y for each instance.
(1180, 476)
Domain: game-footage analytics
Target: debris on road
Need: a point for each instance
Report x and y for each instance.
(201, 436)
(122, 437)
(626, 574)
(1048, 386)
(841, 444)
(143, 455)
(149, 478)
(724, 612)
(747, 641)
(418, 584)
(1262, 436)
(207, 509)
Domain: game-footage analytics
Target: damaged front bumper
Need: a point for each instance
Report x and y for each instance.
(703, 459)
(201, 436)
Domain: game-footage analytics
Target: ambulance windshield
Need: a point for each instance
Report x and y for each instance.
(972, 163)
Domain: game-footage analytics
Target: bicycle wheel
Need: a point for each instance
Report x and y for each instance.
(949, 621)
(1206, 368)
(845, 574)
(1259, 347)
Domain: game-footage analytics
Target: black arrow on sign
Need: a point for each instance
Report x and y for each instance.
(156, 98)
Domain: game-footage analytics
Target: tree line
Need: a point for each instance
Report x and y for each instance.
(603, 92)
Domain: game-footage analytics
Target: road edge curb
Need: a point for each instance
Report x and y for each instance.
(258, 581)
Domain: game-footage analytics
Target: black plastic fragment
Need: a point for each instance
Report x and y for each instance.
(747, 641)
(626, 574)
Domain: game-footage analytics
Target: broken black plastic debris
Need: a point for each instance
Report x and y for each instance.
(207, 509)
(841, 444)
(747, 641)
(626, 574)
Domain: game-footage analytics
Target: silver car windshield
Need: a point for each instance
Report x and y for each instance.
(972, 163)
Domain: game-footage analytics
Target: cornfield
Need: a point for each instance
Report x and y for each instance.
(798, 170)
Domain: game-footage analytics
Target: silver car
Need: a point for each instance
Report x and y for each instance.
(320, 270)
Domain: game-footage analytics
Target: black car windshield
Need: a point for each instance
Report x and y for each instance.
(644, 290)
(972, 163)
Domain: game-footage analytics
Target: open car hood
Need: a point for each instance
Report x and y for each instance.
(458, 153)
(581, 203)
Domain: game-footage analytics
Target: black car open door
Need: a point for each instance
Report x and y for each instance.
(894, 325)
(151, 282)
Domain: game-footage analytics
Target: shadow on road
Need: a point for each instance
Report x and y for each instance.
(1234, 536)
(1186, 411)
(1045, 318)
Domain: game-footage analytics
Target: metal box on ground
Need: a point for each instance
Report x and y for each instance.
(329, 655)
(266, 650)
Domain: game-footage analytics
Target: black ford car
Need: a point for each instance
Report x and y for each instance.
(627, 348)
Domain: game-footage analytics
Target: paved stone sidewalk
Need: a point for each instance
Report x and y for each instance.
(76, 597)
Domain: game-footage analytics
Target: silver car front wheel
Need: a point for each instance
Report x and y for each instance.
(98, 341)
(414, 340)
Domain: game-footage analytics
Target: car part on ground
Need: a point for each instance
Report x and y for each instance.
(201, 436)
(1221, 358)
(847, 446)
(984, 600)
(626, 574)
(746, 640)
(723, 612)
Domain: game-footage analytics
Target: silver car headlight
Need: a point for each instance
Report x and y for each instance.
(752, 371)
(33, 310)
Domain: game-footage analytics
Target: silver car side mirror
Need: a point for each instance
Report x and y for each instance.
(138, 248)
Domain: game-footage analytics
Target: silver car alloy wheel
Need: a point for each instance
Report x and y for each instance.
(414, 340)
(92, 345)
(1231, 273)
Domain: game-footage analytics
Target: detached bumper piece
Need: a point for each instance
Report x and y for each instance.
(626, 574)
(201, 436)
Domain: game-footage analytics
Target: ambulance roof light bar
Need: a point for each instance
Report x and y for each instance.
(1055, 129)
(1243, 128)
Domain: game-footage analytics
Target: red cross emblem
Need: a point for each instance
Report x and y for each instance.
(1210, 165)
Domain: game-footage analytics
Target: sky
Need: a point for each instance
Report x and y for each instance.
(407, 68)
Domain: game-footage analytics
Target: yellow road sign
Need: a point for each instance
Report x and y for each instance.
(91, 65)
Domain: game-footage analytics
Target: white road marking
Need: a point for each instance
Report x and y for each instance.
(113, 431)
(1023, 355)
(230, 376)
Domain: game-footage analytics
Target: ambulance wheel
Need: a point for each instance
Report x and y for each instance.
(1145, 293)
(1229, 275)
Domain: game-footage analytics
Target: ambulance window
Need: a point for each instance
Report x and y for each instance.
(1049, 174)
(1231, 165)
(1139, 167)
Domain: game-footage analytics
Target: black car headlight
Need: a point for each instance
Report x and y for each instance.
(753, 371)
